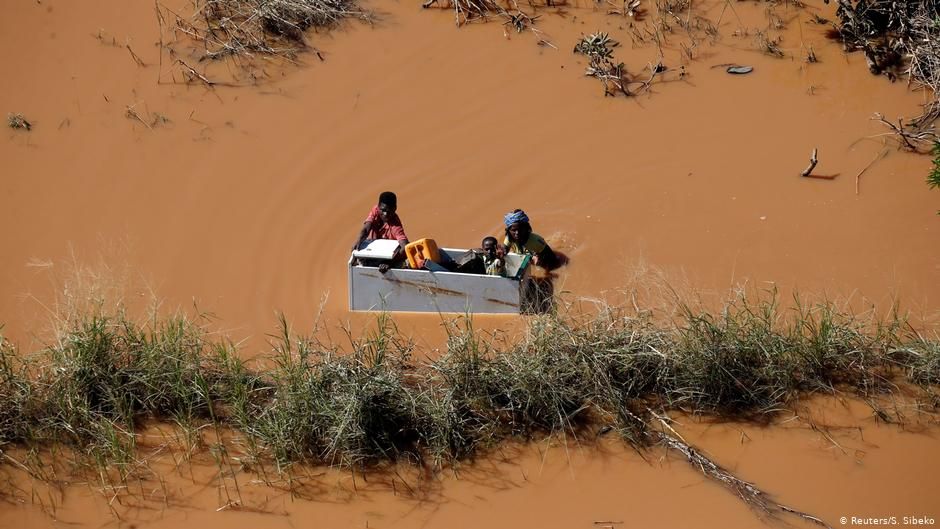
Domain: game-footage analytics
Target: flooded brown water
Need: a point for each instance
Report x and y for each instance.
(246, 202)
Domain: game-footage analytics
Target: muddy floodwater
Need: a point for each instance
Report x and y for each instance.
(243, 201)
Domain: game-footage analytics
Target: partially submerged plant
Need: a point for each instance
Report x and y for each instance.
(769, 45)
(811, 55)
(629, 8)
(17, 121)
(899, 39)
(241, 29)
(598, 47)
(349, 410)
(933, 179)
(467, 11)
(16, 391)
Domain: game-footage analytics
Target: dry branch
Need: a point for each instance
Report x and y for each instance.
(193, 74)
(132, 113)
(872, 162)
(910, 137)
(748, 492)
(812, 163)
(134, 56)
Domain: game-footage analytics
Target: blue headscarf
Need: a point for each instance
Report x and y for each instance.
(515, 216)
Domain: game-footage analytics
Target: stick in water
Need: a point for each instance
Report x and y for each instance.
(812, 163)
(859, 175)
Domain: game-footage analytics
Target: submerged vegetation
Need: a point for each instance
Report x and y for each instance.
(599, 50)
(933, 179)
(512, 16)
(899, 39)
(17, 121)
(608, 370)
(242, 30)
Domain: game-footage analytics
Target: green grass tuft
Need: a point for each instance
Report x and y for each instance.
(573, 373)
(933, 179)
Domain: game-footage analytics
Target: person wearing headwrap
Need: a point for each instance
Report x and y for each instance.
(520, 239)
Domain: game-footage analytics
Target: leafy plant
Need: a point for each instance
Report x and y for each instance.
(599, 49)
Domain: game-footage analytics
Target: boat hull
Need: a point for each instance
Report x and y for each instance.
(407, 290)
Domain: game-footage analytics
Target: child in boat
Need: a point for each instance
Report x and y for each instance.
(382, 222)
(492, 262)
(520, 239)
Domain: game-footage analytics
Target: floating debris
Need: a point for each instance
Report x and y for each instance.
(17, 121)
(740, 70)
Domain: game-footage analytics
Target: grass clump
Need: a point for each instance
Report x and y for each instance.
(16, 392)
(612, 368)
(351, 410)
(242, 28)
(462, 410)
(837, 349)
(112, 367)
(735, 363)
(523, 392)
(104, 375)
(921, 360)
(925, 366)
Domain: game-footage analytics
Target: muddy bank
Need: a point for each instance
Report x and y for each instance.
(247, 199)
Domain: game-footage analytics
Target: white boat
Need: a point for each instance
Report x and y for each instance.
(420, 290)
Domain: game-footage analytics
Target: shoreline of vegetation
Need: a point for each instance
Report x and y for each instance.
(307, 403)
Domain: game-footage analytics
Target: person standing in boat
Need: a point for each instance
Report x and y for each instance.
(520, 239)
(382, 222)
